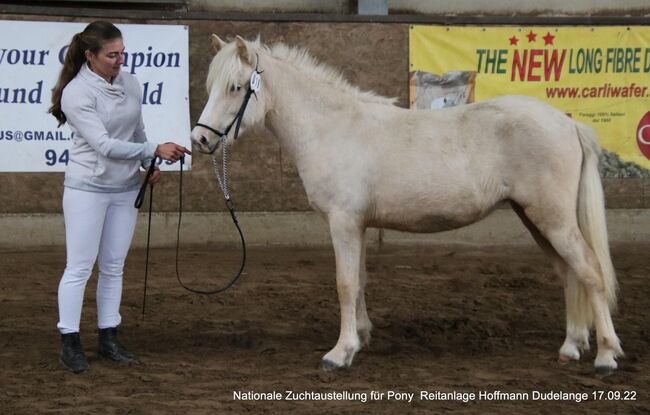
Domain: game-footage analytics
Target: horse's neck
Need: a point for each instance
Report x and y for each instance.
(301, 109)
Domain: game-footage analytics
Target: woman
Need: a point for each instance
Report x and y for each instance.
(103, 107)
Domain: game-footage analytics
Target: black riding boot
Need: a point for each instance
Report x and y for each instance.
(111, 348)
(72, 354)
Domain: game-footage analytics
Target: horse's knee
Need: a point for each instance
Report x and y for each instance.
(349, 285)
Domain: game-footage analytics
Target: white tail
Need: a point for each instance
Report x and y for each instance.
(591, 211)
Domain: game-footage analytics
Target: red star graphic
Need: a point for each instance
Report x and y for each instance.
(531, 36)
(548, 39)
(513, 40)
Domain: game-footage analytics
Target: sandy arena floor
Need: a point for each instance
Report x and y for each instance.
(446, 319)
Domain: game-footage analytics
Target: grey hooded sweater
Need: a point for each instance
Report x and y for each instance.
(109, 143)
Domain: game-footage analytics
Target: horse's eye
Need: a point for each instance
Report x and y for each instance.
(234, 88)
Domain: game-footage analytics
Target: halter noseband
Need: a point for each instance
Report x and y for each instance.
(253, 87)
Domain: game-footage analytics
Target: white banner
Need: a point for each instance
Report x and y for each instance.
(31, 56)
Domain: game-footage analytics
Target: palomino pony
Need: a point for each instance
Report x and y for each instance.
(365, 162)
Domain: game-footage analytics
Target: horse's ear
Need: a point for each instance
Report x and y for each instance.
(242, 49)
(217, 43)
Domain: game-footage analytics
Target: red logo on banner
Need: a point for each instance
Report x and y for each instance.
(643, 135)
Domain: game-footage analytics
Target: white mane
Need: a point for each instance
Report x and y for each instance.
(301, 59)
(224, 69)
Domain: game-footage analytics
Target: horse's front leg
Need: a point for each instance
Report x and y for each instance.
(347, 237)
(364, 326)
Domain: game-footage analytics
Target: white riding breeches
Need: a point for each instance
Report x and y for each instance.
(96, 224)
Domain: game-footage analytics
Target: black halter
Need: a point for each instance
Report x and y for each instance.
(255, 78)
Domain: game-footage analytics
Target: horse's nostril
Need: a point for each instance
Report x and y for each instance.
(204, 140)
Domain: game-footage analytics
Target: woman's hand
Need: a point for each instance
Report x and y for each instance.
(155, 177)
(171, 151)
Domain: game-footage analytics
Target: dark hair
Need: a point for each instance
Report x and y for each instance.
(93, 38)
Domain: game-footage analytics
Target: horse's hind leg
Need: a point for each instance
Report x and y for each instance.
(347, 238)
(579, 317)
(578, 311)
(584, 264)
(364, 326)
(563, 233)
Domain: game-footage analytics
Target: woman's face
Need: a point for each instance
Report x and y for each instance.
(108, 61)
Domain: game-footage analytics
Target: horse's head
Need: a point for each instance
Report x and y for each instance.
(228, 83)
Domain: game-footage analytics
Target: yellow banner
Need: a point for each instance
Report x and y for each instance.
(599, 75)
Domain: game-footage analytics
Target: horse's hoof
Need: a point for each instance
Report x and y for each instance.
(329, 365)
(568, 352)
(602, 371)
(564, 359)
(605, 364)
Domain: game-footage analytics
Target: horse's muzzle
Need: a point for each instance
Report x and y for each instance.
(202, 143)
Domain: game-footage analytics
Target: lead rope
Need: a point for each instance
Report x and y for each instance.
(138, 204)
(223, 184)
(231, 208)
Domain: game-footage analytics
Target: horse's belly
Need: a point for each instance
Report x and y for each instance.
(425, 223)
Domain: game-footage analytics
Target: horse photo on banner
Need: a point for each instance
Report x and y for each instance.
(30, 140)
(597, 75)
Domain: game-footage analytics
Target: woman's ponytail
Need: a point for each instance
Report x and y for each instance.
(74, 58)
(92, 39)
